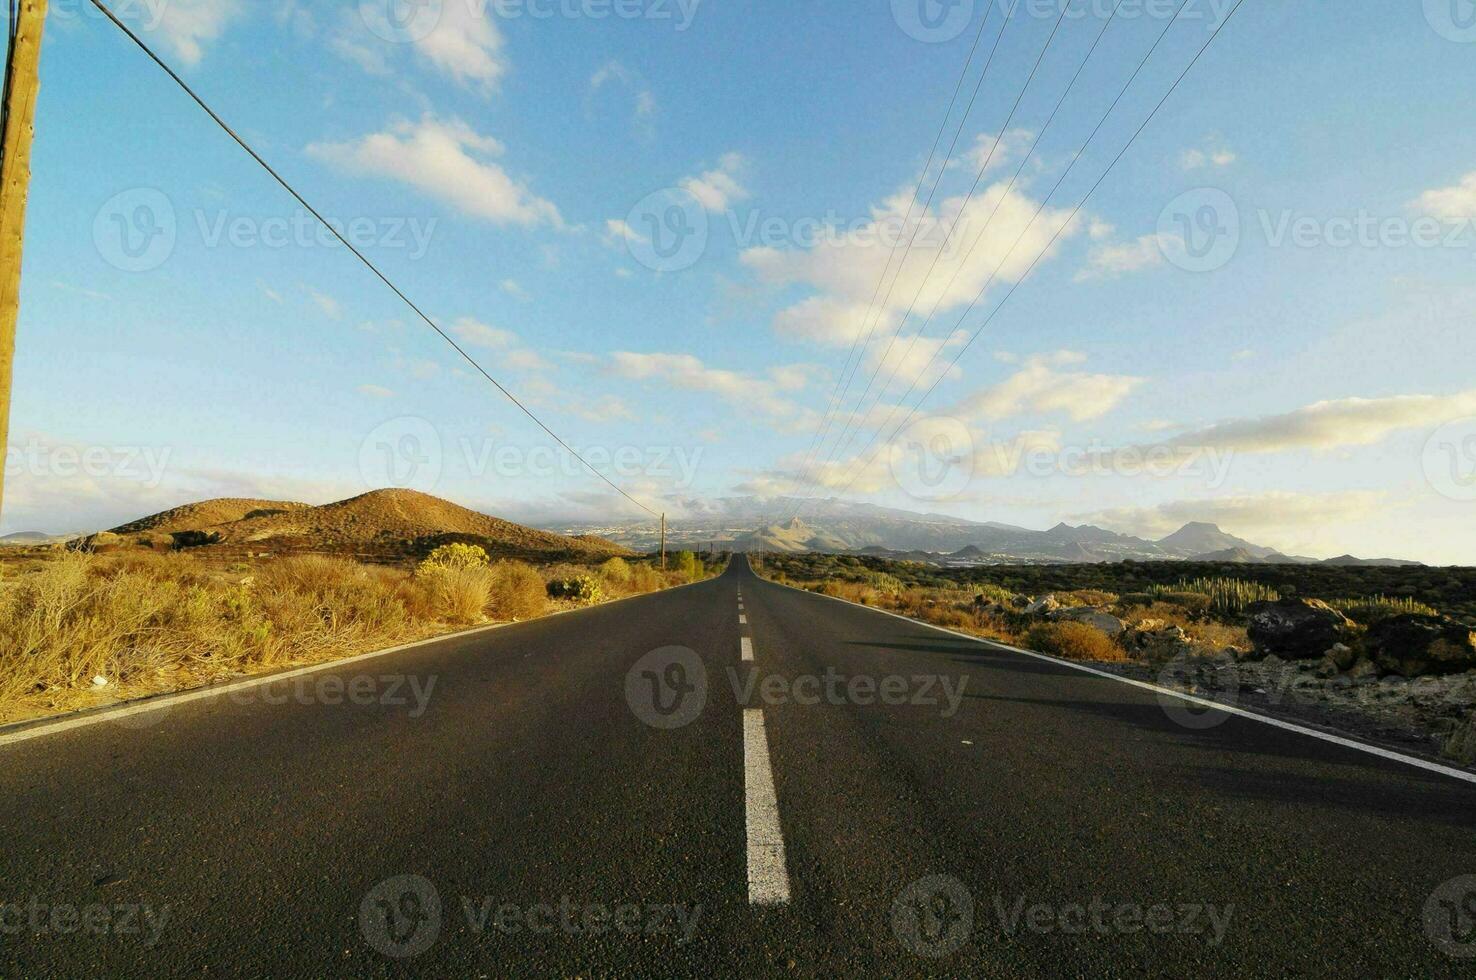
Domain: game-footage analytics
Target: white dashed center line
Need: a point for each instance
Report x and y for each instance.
(742, 620)
(745, 646)
(768, 878)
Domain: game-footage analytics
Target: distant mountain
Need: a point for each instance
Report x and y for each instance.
(793, 536)
(767, 524)
(1237, 556)
(389, 523)
(1198, 538)
(26, 538)
(1372, 562)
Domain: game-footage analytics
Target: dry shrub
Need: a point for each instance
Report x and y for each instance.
(1073, 641)
(1086, 597)
(851, 591)
(644, 578)
(458, 595)
(1170, 615)
(518, 592)
(616, 573)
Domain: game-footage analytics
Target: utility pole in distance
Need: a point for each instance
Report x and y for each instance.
(22, 79)
(663, 541)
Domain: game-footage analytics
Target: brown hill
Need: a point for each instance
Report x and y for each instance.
(382, 523)
(206, 513)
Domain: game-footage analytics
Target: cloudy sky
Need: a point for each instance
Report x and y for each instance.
(692, 236)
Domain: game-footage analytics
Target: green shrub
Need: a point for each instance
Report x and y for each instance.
(1224, 596)
(1373, 609)
(457, 556)
(583, 589)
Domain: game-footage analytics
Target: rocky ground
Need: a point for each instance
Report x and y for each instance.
(1407, 680)
(1430, 716)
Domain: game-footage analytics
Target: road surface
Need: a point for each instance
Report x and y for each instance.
(619, 791)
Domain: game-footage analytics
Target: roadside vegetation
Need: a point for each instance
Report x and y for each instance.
(1394, 649)
(81, 629)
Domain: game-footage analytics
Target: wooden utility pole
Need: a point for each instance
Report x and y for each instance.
(22, 78)
(663, 542)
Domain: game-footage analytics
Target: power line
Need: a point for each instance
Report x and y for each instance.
(847, 431)
(989, 222)
(1066, 224)
(848, 370)
(1045, 201)
(360, 255)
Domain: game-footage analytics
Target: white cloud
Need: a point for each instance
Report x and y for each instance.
(716, 189)
(618, 233)
(330, 306)
(464, 43)
(515, 289)
(748, 392)
(1119, 259)
(1040, 388)
(1291, 522)
(1332, 424)
(447, 160)
(188, 25)
(510, 352)
(375, 391)
(1010, 229)
(479, 334)
(1452, 204)
(369, 58)
(606, 408)
(1213, 153)
(993, 151)
(643, 101)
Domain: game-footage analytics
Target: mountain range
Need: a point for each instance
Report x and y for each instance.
(756, 524)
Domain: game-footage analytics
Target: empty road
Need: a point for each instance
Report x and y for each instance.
(733, 778)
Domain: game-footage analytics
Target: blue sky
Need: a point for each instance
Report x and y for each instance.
(1303, 376)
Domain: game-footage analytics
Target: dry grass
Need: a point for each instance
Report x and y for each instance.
(518, 592)
(1207, 633)
(1073, 641)
(150, 622)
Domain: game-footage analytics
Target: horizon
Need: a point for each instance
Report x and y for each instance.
(556, 524)
(1259, 321)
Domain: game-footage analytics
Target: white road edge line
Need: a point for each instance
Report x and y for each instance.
(745, 646)
(1231, 709)
(768, 878)
(23, 731)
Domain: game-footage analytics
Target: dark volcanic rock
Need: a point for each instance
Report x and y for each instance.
(1414, 645)
(1298, 629)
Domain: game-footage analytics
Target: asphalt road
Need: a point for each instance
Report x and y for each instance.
(604, 793)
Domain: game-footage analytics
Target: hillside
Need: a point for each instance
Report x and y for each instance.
(206, 513)
(382, 523)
